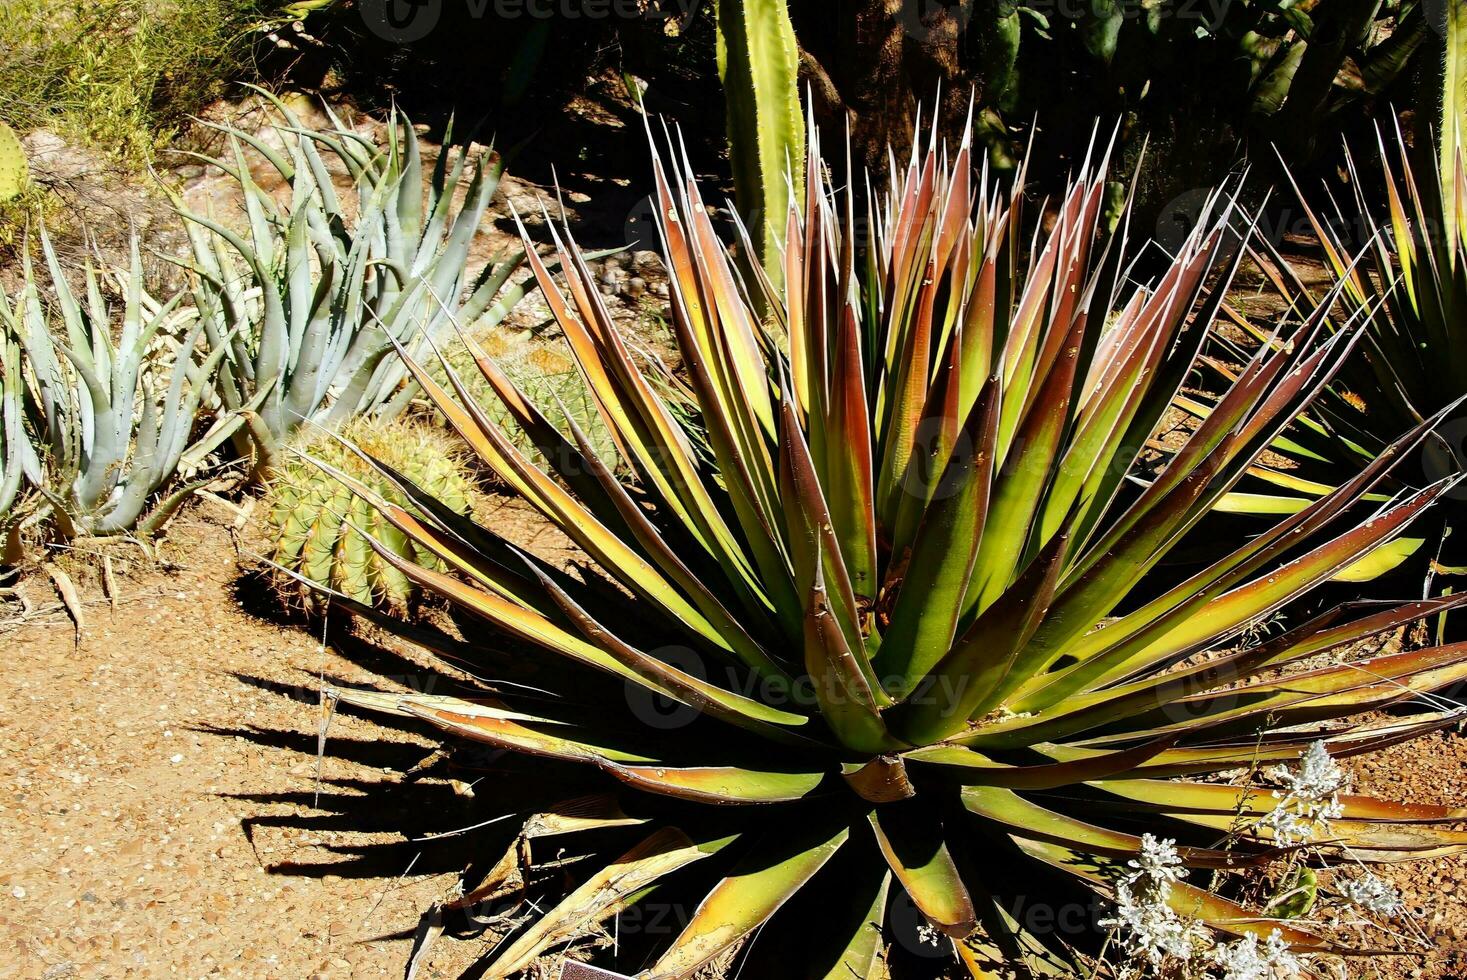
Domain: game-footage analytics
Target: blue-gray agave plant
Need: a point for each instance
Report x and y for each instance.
(112, 418)
(17, 456)
(323, 291)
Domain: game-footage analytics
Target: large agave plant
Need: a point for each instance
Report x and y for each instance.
(324, 290)
(113, 403)
(886, 562)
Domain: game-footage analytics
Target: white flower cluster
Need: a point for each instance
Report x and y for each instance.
(1247, 960)
(1147, 925)
(1150, 931)
(1372, 894)
(1158, 861)
(1312, 798)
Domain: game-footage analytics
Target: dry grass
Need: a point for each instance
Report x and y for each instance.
(121, 75)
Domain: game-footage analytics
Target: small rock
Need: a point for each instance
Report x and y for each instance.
(612, 276)
(53, 159)
(645, 261)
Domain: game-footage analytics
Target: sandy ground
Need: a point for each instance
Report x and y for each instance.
(158, 814)
(160, 808)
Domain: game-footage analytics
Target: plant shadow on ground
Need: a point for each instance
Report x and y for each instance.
(453, 811)
(417, 816)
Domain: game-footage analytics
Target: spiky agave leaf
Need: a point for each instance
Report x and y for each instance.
(18, 461)
(114, 402)
(890, 588)
(326, 289)
(543, 371)
(1402, 273)
(319, 525)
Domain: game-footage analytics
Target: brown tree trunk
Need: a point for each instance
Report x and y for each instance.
(877, 62)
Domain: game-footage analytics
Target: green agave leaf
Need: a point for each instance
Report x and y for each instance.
(1380, 561)
(930, 593)
(746, 899)
(1078, 767)
(1212, 799)
(604, 894)
(911, 840)
(991, 954)
(993, 658)
(1034, 822)
(722, 784)
(864, 955)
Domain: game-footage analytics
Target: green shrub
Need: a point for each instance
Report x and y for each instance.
(120, 74)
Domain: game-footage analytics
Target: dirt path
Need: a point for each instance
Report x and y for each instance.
(157, 783)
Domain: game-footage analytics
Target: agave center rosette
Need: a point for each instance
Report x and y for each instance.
(881, 548)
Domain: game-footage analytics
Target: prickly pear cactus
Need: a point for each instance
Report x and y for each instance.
(13, 167)
(313, 516)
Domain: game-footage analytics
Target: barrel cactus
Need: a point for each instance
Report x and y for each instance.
(545, 373)
(316, 521)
